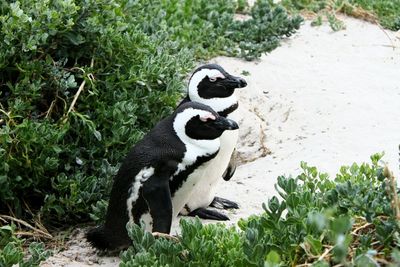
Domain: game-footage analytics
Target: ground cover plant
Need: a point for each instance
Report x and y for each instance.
(82, 80)
(352, 220)
(385, 12)
(12, 252)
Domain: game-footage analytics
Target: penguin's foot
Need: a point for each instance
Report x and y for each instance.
(222, 203)
(208, 214)
(167, 236)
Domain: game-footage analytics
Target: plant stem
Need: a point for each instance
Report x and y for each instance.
(393, 187)
(79, 91)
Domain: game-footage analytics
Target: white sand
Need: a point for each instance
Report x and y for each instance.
(327, 98)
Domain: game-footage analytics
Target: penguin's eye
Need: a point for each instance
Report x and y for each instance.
(213, 79)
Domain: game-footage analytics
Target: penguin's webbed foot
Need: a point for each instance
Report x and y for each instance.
(222, 203)
(208, 214)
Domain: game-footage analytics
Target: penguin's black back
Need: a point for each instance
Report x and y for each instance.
(161, 149)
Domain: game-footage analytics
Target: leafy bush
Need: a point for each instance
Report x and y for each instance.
(60, 159)
(350, 220)
(209, 27)
(82, 80)
(200, 245)
(387, 11)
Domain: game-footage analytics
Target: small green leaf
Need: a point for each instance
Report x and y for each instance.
(97, 134)
(314, 244)
(273, 258)
(365, 260)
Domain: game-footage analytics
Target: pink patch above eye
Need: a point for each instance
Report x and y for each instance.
(218, 75)
(206, 117)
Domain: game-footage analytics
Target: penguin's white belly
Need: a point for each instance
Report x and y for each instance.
(204, 191)
(184, 193)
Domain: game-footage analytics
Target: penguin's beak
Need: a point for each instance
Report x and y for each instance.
(223, 123)
(235, 82)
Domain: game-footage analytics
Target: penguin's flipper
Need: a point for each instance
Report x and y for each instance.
(223, 203)
(158, 198)
(230, 170)
(204, 213)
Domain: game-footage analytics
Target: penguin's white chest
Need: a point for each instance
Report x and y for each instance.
(204, 191)
(183, 194)
(193, 152)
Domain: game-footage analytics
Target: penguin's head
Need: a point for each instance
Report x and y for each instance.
(197, 121)
(210, 84)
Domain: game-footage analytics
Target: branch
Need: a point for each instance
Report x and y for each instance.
(37, 232)
(326, 252)
(393, 189)
(76, 97)
(90, 76)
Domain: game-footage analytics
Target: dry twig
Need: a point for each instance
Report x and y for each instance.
(167, 236)
(354, 232)
(393, 192)
(36, 232)
(76, 96)
(326, 252)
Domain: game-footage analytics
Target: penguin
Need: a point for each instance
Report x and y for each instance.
(155, 180)
(210, 84)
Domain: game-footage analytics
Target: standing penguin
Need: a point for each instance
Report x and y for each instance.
(155, 181)
(211, 85)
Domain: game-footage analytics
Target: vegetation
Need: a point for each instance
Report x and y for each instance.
(386, 12)
(82, 80)
(353, 220)
(11, 251)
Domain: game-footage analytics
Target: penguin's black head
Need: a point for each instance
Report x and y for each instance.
(212, 81)
(197, 121)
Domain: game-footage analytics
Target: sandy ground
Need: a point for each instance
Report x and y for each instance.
(327, 98)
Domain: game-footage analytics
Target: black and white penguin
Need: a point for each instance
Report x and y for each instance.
(154, 182)
(210, 84)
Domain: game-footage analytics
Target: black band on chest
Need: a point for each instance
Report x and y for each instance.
(181, 177)
(229, 110)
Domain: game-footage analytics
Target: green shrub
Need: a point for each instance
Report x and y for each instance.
(387, 11)
(264, 31)
(209, 27)
(349, 221)
(62, 162)
(199, 245)
(82, 80)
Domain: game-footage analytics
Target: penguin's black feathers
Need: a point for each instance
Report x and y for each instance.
(149, 168)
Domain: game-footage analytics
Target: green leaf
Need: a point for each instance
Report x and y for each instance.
(272, 259)
(97, 134)
(365, 260)
(341, 225)
(74, 38)
(314, 244)
(273, 204)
